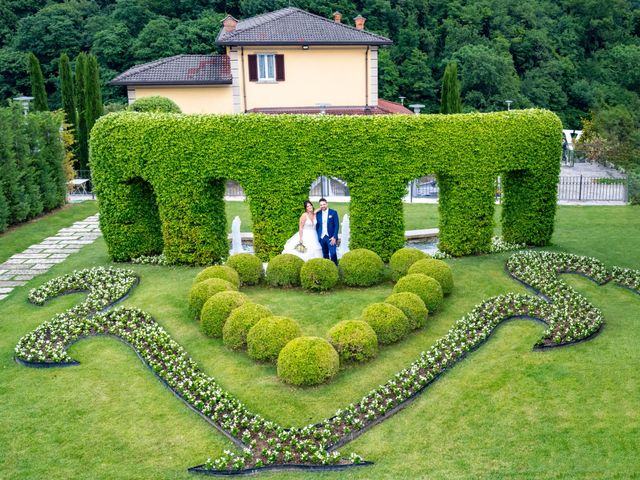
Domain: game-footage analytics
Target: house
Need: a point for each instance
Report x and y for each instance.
(287, 61)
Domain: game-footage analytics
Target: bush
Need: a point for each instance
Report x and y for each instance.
(217, 309)
(402, 259)
(361, 268)
(240, 321)
(319, 274)
(202, 291)
(267, 337)
(412, 306)
(248, 266)
(155, 103)
(354, 340)
(427, 288)
(219, 271)
(436, 269)
(284, 270)
(389, 322)
(307, 361)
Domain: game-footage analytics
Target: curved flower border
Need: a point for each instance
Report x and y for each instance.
(262, 443)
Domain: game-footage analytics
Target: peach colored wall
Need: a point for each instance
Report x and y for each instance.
(193, 99)
(332, 74)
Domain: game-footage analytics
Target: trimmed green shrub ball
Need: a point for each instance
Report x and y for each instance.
(284, 270)
(217, 309)
(437, 269)
(155, 103)
(389, 322)
(402, 259)
(412, 306)
(267, 337)
(354, 340)
(202, 291)
(219, 271)
(361, 268)
(248, 266)
(307, 361)
(427, 288)
(240, 321)
(319, 274)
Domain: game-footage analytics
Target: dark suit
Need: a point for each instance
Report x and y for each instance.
(333, 226)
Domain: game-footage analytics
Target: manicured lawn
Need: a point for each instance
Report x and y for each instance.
(18, 238)
(504, 412)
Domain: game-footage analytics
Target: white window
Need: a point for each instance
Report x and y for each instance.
(266, 67)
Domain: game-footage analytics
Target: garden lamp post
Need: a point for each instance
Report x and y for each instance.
(417, 107)
(24, 101)
(508, 102)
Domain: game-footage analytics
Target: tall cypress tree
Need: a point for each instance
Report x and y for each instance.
(93, 96)
(82, 147)
(450, 101)
(37, 85)
(66, 88)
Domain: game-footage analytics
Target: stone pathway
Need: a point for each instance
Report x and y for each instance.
(39, 258)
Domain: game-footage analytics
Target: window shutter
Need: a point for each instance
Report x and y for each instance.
(280, 68)
(253, 67)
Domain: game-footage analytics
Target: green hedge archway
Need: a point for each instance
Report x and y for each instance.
(185, 160)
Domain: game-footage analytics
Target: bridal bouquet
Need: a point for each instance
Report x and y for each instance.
(301, 248)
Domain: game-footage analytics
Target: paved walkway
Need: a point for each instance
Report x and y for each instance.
(39, 258)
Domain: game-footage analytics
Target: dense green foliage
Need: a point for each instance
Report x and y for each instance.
(40, 103)
(148, 166)
(203, 291)
(284, 270)
(155, 104)
(32, 176)
(565, 56)
(354, 340)
(80, 90)
(428, 289)
(269, 335)
(66, 91)
(361, 268)
(240, 321)
(450, 101)
(319, 274)
(307, 361)
(217, 309)
(248, 266)
(219, 271)
(93, 106)
(436, 269)
(412, 306)
(389, 322)
(402, 259)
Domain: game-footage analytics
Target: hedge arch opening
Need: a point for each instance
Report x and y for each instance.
(277, 157)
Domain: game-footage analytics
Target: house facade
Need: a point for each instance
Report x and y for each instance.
(287, 61)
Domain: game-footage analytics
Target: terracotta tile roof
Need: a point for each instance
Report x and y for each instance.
(292, 26)
(393, 107)
(349, 110)
(179, 70)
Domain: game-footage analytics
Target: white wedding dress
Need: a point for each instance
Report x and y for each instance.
(309, 240)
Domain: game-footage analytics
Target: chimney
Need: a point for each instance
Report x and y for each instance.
(229, 23)
(337, 17)
(360, 22)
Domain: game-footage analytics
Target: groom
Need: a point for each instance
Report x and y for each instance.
(327, 228)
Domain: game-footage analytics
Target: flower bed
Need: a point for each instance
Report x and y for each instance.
(264, 443)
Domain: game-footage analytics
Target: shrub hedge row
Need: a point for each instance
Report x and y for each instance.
(160, 177)
(32, 174)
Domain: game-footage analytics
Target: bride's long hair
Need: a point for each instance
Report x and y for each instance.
(305, 203)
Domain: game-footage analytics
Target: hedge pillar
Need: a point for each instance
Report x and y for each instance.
(466, 213)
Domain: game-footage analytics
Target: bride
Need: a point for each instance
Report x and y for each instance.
(306, 236)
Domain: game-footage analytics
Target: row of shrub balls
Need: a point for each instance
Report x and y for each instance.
(224, 312)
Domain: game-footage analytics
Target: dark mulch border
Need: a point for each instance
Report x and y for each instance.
(202, 470)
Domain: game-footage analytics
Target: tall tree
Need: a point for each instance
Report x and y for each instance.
(450, 101)
(93, 108)
(37, 85)
(66, 87)
(82, 150)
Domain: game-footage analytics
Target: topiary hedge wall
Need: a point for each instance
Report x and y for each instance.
(165, 173)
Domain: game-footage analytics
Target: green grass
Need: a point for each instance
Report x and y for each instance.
(504, 412)
(18, 238)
